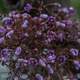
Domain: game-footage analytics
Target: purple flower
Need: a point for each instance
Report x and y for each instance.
(42, 63)
(51, 36)
(7, 21)
(2, 39)
(5, 51)
(50, 69)
(51, 57)
(62, 58)
(51, 19)
(32, 61)
(5, 54)
(18, 50)
(39, 77)
(18, 15)
(68, 23)
(61, 36)
(65, 10)
(10, 34)
(25, 15)
(74, 52)
(2, 31)
(25, 24)
(76, 64)
(27, 7)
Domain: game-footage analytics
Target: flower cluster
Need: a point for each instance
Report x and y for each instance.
(35, 47)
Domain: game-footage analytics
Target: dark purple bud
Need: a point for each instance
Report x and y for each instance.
(51, 19)
(62, 59)
(27, 7)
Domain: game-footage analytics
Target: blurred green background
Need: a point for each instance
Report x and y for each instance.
(3, 7)
(76, 4)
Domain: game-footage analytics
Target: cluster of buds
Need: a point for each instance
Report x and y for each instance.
(34, 47)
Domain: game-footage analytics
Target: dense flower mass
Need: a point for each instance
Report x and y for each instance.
(35, 47)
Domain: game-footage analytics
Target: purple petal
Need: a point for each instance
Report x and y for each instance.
(18, 51)
(25, 24)
(44, 16)
(39, 77)
(2, 40)
(76, 64)
(10, 33)
(51, 58)
(42, 63)
(50, 69)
